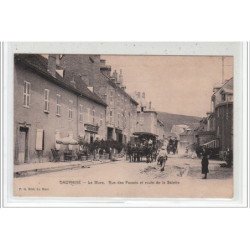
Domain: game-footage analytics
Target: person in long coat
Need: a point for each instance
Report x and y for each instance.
(204, 164)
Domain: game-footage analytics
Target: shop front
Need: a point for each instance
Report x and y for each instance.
(91, 132)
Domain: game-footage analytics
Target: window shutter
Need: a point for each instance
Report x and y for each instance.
(40, 139)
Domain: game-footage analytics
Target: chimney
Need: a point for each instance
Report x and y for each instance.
(52, 64)
(73, 82)
(120, 77)
(115, 75)
(112, 79)
(105, 69)
(150, 105)
(143, 95)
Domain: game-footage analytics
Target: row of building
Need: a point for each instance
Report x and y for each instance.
(72, 96)
(215, 131)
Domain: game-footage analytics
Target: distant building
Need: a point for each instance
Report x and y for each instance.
(204, 134)
(188, 138)
(143, 104)
(49, 104)
(178, 129)
(147, 122)
(147, 118)
(160, 131)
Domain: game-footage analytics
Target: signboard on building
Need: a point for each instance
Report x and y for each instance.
(91, 128)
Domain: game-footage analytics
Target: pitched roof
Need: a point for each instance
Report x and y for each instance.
(228, 84)
(39, 64)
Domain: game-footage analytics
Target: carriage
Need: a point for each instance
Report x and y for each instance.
(172, 146)
(143, 146)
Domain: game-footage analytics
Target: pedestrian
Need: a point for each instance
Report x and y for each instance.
(229, 158)
(204, 164)
(162, 157)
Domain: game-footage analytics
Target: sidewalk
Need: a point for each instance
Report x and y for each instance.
(47, 167)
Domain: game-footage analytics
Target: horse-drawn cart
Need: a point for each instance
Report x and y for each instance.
(143, 146)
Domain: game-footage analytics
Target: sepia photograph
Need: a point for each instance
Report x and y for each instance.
(124, 125)
(136, 126)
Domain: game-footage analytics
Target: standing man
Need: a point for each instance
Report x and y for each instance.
(204, 166)
(162, 157)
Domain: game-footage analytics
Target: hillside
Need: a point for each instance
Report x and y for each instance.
(173, 119)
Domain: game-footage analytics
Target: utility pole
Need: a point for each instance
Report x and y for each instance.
(222, 73)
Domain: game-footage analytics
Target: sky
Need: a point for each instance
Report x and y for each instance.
(174, 84)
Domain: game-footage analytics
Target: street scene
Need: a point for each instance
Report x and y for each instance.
(123, 126)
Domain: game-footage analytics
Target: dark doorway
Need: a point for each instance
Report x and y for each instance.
(91, 138)
(110, 133)
(119, 137)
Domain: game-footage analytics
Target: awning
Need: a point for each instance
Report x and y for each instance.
(211, 144)
(67, 141)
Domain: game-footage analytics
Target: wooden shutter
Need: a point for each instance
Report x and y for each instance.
(40, 139)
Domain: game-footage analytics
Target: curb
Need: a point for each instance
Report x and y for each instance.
(26, 173)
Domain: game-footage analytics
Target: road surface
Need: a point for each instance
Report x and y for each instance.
(181, 179)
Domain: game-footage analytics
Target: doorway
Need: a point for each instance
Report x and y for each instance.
(23, 145)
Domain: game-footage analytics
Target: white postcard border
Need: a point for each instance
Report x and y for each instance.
(236, 49)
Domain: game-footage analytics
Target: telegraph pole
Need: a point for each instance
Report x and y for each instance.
(222, 73)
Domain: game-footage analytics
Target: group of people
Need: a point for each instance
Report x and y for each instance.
(163, 156)
(147, 148)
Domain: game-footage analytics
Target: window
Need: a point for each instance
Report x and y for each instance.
(46, 100)
(101, 119)
(93, 116)
(118, 120)
(80, 113)
(88, 115)
(118, 100)
(58, 105)
(70, 109)
(218, 131)
(223, 97)
(111, 96)
(111, 116)
(26, 94)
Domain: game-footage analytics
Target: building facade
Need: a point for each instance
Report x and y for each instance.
(121, 107)
(48, 106)
(222, 103)
(147, 118)
(216, 130)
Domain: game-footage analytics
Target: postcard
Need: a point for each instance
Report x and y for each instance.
(124, 125)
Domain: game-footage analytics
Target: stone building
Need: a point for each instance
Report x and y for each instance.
(121, 110)
(188, 138)
(51, 103)
(147, 118)
(121, 107)
(222, 106)
(160, 131)
(216, 130)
